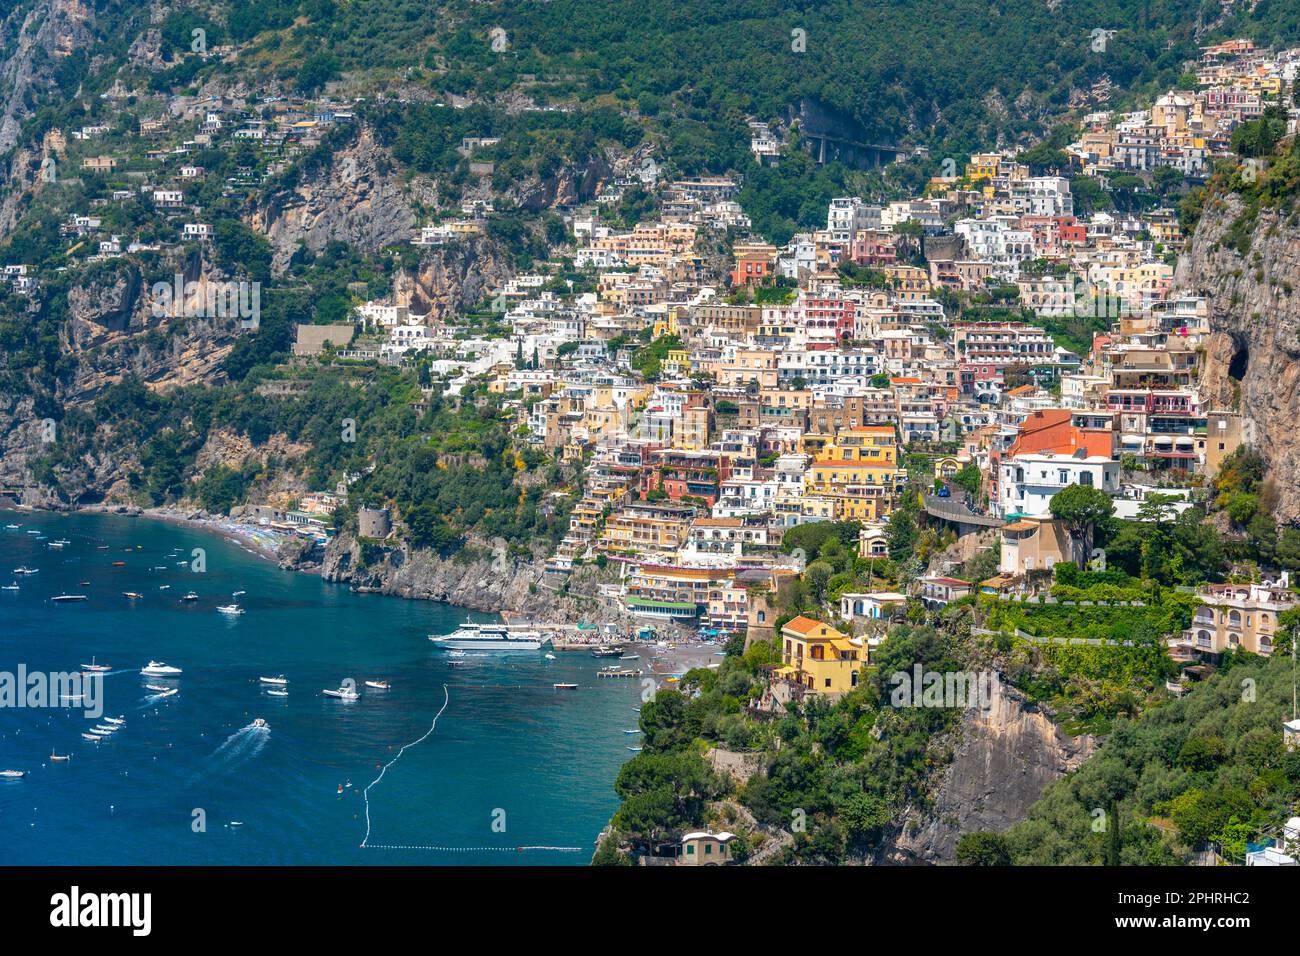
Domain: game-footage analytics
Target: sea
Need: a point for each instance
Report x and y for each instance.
(482, 764)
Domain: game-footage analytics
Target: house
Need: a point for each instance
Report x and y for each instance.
(817, 658)
(99, 164)
(702, 848)
(1027, 483)
(874, 605)
(1034, 544)
(938, 592)
(1237, 617)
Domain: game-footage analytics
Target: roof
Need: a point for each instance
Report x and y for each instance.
(722, 837)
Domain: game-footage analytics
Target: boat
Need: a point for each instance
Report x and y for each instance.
(12, 527)
(159, 669)
(455, 653)
(238, 593)
(343, 693)
(232, 609)
(54, 544)
(550, 656)
(11, 587)
(277, 693)
(163, 691)
(635, 730)
(119, 564)
(24, 569)
(132, 595)
(277, 681)
(259, 723)
(100, 733)
(635, 750)
(190, 597)
(159, 688)
(101, 547)
(115, 721)
(15, 774)
(606, 650)
(33, 531)
(83, 584)
(164, 587)
(95, 667)
(104, 729)
(491, 637)
(379, 684)
(565, 686)
(65, 598)
(630, 657)
(57, 757)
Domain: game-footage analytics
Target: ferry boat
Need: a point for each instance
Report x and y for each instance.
(491, 637)
(159, 669)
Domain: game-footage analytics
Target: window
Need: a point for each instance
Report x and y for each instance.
(690, 849)
(1085, 479)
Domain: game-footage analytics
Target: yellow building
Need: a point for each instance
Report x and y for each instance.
(819, 658)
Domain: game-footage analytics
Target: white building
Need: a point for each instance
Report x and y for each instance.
(1028, 482)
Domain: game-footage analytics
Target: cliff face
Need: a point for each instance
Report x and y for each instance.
(1252, 361)
(1003, 760)
(493, 583)
(359, 199)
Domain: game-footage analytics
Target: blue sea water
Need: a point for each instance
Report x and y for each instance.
(511, 762)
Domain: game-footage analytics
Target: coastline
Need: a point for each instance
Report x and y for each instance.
(257, 541)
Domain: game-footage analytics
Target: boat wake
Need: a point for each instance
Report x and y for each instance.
(239, 748)
(427, 734)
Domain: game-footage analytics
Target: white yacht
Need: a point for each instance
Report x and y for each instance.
(231, 609)
(343, 693)
(491, 637)
(159, 669)
(277, 681)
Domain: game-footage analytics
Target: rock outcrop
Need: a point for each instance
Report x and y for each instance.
(1252, 360)
(358, 198)
(1004, 757)
(482, 577)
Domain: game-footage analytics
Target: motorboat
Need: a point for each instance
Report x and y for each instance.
(190, 598)
(24, 569)
(59, 757)
(12, 527)
(14, 774)
(91, 737)
(132, 595)
(68, 598)
(159, 669)
(491, 637)
(280, 681)
(11, 587)
(379, 684)
(164, 691)
(277, 693)
(606, 650)
(635, 750)
(565, 686)
(158, 688)
(233, 610)
(343, 693)
(260, 724)
(238, 593)
(550, 656)
(115, 721)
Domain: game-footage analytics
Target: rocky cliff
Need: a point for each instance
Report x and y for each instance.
(358, 198)
(1003, 759)
(1251, 274)
(482, 577)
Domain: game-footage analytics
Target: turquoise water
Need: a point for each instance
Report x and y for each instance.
(510, 763)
